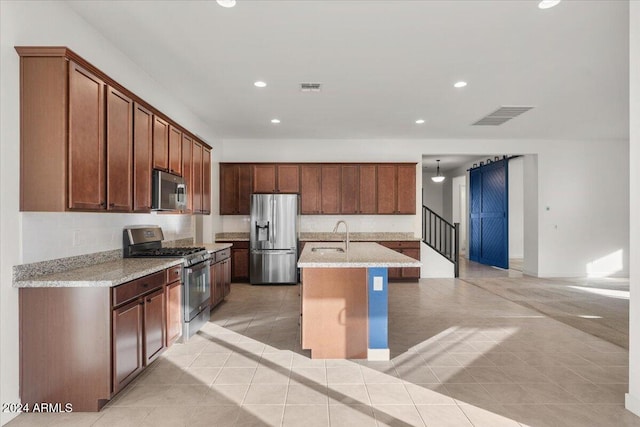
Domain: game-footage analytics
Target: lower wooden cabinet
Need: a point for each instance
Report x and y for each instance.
(220, 276)
(239, 260)
(173, 294)
(138, 326)
(411, 249)
(83, 345)
(127, 344)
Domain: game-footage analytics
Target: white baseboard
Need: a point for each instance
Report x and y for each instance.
(378, 354)
(632, 403)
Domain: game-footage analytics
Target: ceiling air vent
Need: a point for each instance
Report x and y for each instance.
(501, 115)
(310, 87)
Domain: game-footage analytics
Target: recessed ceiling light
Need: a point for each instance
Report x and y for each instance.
(275, 121)
(460, 84)
(226, 3)
(547, 4)
(260, 84)
(419, 121)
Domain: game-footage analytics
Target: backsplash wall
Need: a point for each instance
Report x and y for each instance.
(325, 223)
(52, 235)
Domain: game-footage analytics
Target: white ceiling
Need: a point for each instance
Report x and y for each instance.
(383, 65)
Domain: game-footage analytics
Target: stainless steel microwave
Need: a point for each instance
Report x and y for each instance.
(169, 192)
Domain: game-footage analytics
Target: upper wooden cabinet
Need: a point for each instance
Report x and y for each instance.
(310, 201)
(142, 152)
(367, 189)
(330, 189)
(206, 181)
(187, 168)
(235, 188)
(86, 142)
(201, 178)
(276, 178)
(324, 188)
(119, 151)
(358, 189)
(175, 150)
(320, 190)
(160, 144)
(397, 189)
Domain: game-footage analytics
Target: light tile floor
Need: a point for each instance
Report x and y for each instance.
(462, 356)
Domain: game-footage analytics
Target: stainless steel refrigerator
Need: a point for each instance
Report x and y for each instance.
(274, 239)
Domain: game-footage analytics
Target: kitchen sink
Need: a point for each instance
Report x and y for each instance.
(327, 249)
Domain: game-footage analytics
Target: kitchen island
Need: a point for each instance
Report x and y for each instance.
(344, 309)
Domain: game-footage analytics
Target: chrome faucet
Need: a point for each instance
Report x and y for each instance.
(346, 239)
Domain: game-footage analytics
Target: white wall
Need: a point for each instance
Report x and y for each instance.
(633, 397)
(23, 237)
(460, 213)
(586, 220)
(516, 206)
(432, 193)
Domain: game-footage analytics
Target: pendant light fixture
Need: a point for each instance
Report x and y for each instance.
(437, 177)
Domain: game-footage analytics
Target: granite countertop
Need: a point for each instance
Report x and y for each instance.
(332, 237)
(214, 247)
(360, 254)
(107, 274)
(239, 236)
(358, 237)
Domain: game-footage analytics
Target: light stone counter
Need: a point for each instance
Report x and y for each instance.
(214, 247)
(328, 237)
(106, 274)
(360, 254)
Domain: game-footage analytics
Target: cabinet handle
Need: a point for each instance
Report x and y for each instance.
(144, 285)
(141, 302)
(103, 204)
(112, 205)
(148, 299)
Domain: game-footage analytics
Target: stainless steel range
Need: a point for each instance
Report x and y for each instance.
(146, 241)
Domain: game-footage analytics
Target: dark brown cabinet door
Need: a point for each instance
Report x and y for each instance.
(175, 150)
(154, 325)
(330, 189)
(206, 181)
(119, 151)
(197, 177)
(349, 190)
(239, 264)
(227, 277)
(187, 168)
(411, 272)
(310, 189)
(288, 179)
(228, 189)
(142, 152)
(215, 299)
(235, 188)
(86, 140)
(386, 183)
(244, 189)
(406, 203)
(127, 344)
(367, 191)
(173, 293)
(160, 144)
(264, 178)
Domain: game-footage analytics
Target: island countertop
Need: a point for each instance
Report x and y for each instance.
(360, 254)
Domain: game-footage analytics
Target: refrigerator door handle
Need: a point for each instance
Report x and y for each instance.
(274, 220)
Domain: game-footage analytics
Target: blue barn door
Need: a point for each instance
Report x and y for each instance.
(488, 214)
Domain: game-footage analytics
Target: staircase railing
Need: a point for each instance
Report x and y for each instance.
(441, 236)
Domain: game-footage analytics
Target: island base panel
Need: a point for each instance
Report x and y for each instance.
(334, 312)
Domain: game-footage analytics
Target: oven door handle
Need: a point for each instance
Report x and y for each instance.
(197, 267)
